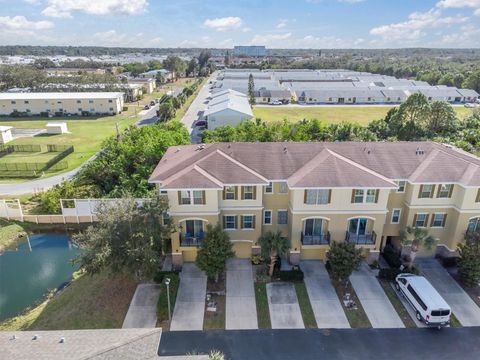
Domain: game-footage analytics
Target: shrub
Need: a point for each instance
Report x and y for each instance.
(162, 304)
(392, 256)
(295, 275)
(161, 275)
(257, 259)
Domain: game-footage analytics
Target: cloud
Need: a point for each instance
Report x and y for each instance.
(270, 39)
(224, 24)
(414, 28)
(477, 12)
(21, 23)
(65, 8)
(458, 4)
(468, 37)
(282, 23)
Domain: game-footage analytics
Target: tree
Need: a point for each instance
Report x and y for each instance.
(273, 245)
(192, 67)
(136, 69)
(443, 119)
(227, 59)
(343, 259)
(410, 120)
(215, 251)
(166, 111)
(416, 238)
(127, 237)
(175, 65)
(203, 58)
(469, 259)
(251, 90)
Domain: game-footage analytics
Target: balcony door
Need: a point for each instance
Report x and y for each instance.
(358, 226)
(193, 228)
(313, 227)
(474, 225)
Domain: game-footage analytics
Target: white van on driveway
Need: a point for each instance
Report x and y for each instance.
(429, 306)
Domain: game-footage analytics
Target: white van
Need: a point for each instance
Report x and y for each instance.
(429, 306)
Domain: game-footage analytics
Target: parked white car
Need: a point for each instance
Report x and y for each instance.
(429, 306)
(275, 102)
(472, 105)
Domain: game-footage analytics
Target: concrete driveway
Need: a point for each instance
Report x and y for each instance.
(378, 308)
(142, 312)
(463, 307)
(190, 305)
(241, 308)
(325, 303)
(283, 305)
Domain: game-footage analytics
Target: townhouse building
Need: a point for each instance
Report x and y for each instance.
(317, 193)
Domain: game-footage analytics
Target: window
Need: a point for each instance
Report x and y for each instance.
(357, 196)
(26, 102)
(248, 222)
(269, 188)
(438, 220)
(79, 101)
(166, 219)
(283, 188)
(14, 102)
(401, 186)
(445, 191)
(317, 197)
(59, 102)
(420, 220)
(396, 213)
(313, 227)
(267, 217)
(282, 217)
(230, 193)
(163, 192)
(111, 109)
(248, 192)
(79, 109)
(230, 222)
(110, 101)
(195, 197)
(90, 101)
(416, 297)
(371, 196)
(474, 224)
(426, 191)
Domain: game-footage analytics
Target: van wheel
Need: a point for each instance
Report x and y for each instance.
(419, 317)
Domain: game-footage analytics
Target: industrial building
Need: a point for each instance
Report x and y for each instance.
(228, 107)
(335, 87)
(61, 104)
(251, 50)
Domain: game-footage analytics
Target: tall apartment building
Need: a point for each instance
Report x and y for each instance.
(250, 50)
(317, 193)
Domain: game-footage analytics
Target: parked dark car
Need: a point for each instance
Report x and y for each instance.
(201, 123)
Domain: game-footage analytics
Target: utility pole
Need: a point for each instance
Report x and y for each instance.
(167, 282)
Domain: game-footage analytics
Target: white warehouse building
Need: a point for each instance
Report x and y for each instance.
(227, 107)
(60, 104)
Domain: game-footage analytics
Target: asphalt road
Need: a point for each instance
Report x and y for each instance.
(334, 344)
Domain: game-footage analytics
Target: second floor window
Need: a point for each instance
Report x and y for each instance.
(426, 191)
(420, 220)
(248, 221)
(191, 197)
(267, 217)
(445, 191)
(230, 222)
(282, 217)
(438, 220)
(396, 213)
(248, 192)
(317, 196)
(369, 196)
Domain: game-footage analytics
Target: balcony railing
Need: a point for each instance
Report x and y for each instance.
(323, 239)
(189, 240)
(365, 239)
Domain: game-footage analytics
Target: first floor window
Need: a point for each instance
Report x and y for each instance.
(248, 222)
(474, 224)
(396, 213)
(282, 216)
(230, 222)
(439, 220)
(420, 220)
(267, 217)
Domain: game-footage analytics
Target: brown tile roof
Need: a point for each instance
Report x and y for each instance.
(321, 164)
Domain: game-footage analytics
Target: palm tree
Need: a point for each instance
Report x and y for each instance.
(416, 238)
(273, 245)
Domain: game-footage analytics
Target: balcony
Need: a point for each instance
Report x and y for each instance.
(323, 239)
(361, 239)
(189, 240)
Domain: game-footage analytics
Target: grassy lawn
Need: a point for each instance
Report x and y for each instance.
(397, 304)
(216, 320)
(261, 299)
(28, 157)
(454, 321)
(335, 114)
(9, 234)
(86, 135)
(356, 316)
(305, 306)
(181, 112)
(90, 302)
(162, 304)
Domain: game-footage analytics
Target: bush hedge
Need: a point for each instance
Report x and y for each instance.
(161, 275)
(392, 256)
(294, 275)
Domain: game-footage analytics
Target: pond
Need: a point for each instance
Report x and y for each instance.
(40, 263)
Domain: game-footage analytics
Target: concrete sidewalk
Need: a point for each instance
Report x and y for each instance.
(378, 308)
(190, 305)
(463, 307)
(241, 308)
(142, 312)
(283, 306)
(325, 303)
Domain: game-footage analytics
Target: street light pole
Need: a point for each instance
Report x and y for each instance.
(167, 282)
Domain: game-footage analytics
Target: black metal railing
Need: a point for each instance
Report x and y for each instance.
(359, 239)
(323, 239)
(189, 240)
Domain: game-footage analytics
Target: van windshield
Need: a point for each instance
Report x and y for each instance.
(440, 312)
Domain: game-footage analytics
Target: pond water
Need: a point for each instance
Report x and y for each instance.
(40, 264)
